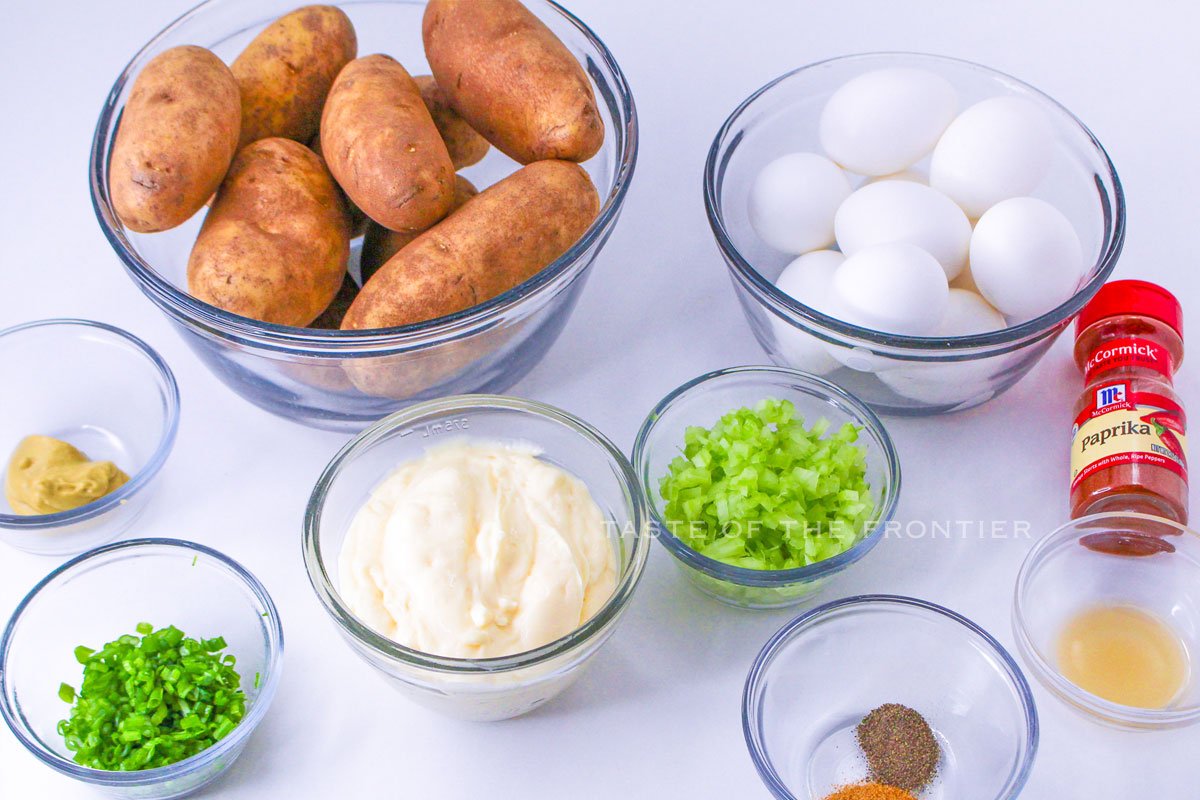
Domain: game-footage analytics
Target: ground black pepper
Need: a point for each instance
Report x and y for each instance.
(900, 747)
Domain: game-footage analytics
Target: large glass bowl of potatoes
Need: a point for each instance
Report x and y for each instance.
(334, 232)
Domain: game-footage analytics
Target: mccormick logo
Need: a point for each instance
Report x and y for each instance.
(1110, 395)
(1144, 352)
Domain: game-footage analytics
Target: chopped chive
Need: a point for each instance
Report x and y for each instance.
(194, 560)
(256, 678)
(152, 700)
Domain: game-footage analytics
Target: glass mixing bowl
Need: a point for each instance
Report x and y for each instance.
(102, 595)
(298, 372)
(106, 392)
(824, 671)
(900, 374)
(702, 401)
(486, 688)
(1118, 559)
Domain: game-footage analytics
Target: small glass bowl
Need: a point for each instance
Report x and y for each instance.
(824, 671)
(488, 688)
(1111, 559)
(104, 391)
(703, 401)
(104, 594)
(305, 374)
(895, 374)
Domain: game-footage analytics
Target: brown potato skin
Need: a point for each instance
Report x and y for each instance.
(383, 148)
(285, 73)
(358, 220)
(512, 79)
(380, 244)
(465, 145)
(177, 137)
(498, 239)
(275, 244)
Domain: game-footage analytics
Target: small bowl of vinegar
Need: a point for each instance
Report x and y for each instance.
(1107, 616)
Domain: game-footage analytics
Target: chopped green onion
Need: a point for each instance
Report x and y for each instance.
(152, 700)
(759, 490)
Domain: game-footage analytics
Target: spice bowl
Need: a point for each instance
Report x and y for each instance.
(701, 402)
(824, 671)
(104, 594)
(1120, 560)
(102, 390)
(479, 689)
(894, 374)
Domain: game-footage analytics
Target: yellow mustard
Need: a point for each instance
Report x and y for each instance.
(46, 475)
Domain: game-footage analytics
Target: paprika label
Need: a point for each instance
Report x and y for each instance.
(1121, 426)
(1132, 351)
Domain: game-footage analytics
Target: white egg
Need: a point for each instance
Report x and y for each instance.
(952, 382)
(996, 149)
(968, 314)
(806, 280)
(890, 211)
(793, 200)
(886, 120)
(1025, 257)
(893, 288)
(910, 175)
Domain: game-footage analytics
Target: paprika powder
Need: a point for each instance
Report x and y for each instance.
(869, 791)
(1128, 444)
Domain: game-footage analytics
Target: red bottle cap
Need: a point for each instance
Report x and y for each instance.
(1131, 297)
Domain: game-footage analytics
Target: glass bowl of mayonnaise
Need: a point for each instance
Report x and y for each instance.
(477, 550)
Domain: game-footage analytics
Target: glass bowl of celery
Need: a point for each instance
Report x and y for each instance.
(765, 482)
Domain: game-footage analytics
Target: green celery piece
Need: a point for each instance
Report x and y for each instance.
(760, 490)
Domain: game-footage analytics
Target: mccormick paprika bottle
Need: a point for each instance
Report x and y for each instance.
(1127, 449)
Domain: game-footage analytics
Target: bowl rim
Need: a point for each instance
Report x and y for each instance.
(348, 623)
(234, 740)
(863, 416)
(1097, 708)
(291, 339)
(166, 439)
(795, 627)
(786, 307)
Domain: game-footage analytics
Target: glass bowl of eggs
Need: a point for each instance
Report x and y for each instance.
(918, 228)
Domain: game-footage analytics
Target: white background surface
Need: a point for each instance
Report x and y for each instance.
(658, 713)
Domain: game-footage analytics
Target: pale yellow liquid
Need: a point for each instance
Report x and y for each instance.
(1123, 655)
